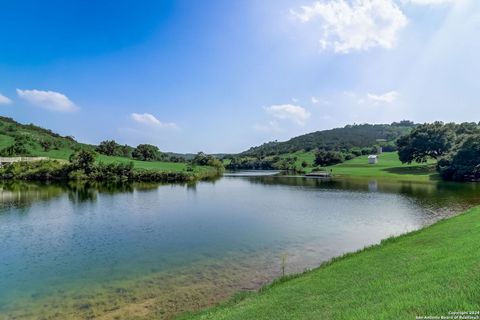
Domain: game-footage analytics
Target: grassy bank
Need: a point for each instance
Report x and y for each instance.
(388, 167)
(429, 272)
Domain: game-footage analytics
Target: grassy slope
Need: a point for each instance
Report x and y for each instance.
(66, 150)
(5, 141)
(388, 166)
(152, 165)
(428, 272)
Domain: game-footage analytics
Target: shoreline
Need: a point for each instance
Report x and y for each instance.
(244, 303)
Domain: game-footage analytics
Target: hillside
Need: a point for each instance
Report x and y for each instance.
(18, 139)
(338, 139)
(31, 140)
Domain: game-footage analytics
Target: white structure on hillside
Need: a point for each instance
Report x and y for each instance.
(372, 159)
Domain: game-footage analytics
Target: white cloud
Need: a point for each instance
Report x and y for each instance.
(270, 127)
(388, 97)
(429, 2)
(290, 112)
(4, 99)
(49, 100)
(355, 25)
(149, 119)
(315, 100)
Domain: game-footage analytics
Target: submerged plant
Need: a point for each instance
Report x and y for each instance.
(283, 263)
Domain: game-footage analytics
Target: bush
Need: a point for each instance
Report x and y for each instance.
(349, 156)
(328, 158)
(203, 159)
(146, 152)
(35, 171)
(83, 159)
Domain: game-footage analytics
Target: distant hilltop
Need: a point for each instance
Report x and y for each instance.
(346, 138)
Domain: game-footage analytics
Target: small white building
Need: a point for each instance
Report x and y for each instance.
(372, 159)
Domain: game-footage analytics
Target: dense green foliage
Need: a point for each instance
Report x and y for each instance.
(332, 146)
(284, 162)
(339, 139)
(424, 142)
(146, 152)
(203, 159)
(48, 170)
(112, 148)
(430, 272)
(463, 163)
(83, 167)
(455, 146)
(83, 160)
(328, 158)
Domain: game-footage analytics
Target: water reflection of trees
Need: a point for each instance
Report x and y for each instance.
(21, 194)
(433, 193)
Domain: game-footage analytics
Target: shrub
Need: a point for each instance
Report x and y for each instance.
(146, 152)
(328, 158)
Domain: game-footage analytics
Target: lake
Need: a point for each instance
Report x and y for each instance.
(151, 251)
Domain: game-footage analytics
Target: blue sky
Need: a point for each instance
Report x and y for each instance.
(221, 76)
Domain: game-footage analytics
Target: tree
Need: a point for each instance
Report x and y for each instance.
(83, 159)
(328, 158)
(203, 159)
(463, 164)
(125, 151)
(46, 145)
(424, 142)
(108, 147)
(146, 152)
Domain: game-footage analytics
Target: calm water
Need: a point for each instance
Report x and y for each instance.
(155, 250)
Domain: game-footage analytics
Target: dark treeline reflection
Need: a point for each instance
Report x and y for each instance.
(20, 194)
(436, 194)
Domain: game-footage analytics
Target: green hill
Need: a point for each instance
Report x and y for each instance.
(18, 139)
(339, 139)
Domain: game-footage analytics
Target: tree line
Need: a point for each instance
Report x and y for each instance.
(338, 139)
(82, 166)
(455, 147)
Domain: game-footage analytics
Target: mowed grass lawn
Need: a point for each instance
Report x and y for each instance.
(388, 166)
(152, 165)
(425, 273)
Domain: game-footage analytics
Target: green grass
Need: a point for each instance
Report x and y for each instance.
(427, 272)
(64, 154)
(388, 166)
(153, 165)
(65, 147)
(5, 141)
